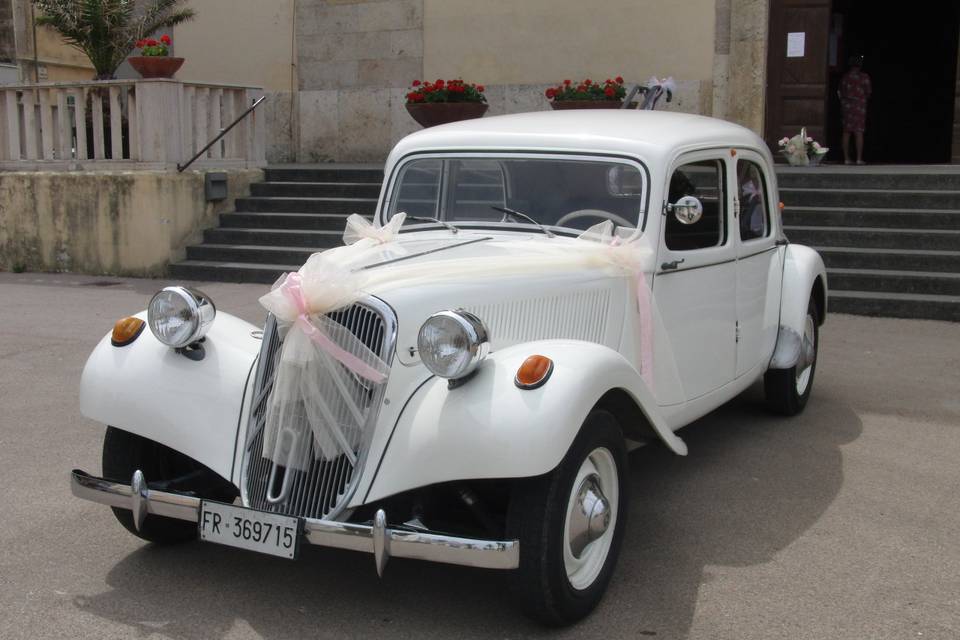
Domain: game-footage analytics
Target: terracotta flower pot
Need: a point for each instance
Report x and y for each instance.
(155, 66)
(586, 104)
(430, 114)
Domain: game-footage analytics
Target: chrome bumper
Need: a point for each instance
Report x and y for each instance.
(378, 539)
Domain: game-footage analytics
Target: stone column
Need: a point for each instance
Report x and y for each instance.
(355, 60)
(740, 62)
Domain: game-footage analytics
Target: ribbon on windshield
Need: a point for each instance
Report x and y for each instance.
(359, 228)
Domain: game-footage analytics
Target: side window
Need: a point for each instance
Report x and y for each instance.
(752, 193)
(703, 180)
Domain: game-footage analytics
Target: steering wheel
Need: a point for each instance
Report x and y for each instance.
(595, 213)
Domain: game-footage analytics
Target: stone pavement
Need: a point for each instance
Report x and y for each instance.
(840, 523)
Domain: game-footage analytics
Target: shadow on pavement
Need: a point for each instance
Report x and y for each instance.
(751, 485)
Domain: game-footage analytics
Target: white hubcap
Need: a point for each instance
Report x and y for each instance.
(808, 355)
(591, 518)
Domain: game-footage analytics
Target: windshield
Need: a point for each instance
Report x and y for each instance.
(558, 192)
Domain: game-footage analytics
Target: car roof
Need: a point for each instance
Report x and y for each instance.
(649, 134)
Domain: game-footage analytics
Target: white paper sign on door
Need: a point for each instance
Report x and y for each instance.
(795, 44)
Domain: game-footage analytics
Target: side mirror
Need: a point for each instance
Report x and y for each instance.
(687, 210)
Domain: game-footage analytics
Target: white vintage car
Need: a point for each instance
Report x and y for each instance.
(537, 295)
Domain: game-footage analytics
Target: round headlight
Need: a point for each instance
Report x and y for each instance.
(179, 316)
(452, 343)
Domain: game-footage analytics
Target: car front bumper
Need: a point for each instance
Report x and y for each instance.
(379, 539)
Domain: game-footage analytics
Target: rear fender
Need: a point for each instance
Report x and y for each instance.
(804, 275)
(192, 406)
(489, 428)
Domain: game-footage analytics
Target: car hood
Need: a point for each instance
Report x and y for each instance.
(501, 279)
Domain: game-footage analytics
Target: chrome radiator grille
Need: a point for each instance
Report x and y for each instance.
(324, 489)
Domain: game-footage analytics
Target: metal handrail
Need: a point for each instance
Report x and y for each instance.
(223, 132)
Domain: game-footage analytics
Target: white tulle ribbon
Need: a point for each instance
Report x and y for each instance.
(630, 258)
(665, 84)
(359, 228)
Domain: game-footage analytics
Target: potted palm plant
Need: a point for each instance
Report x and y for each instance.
(108, 30)
(443, 101)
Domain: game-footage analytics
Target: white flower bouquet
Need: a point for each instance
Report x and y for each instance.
(802, 150)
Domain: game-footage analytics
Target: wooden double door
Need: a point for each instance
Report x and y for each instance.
(797, 69)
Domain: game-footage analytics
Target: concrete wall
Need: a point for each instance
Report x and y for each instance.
(356, 59)
(56, 60)
(544, 41)
(116, 223)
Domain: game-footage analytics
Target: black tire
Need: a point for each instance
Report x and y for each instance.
(124, 453)
(537, 517)
(780, 385)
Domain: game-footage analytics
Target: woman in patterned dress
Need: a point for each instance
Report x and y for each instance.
(854, 92)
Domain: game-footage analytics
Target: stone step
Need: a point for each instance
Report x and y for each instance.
(917, 282)
(228, 271)
(865, 178)
(897, 259)
(870, 198)
(316, 189)
(317, 240)
(250, 254)
(281, 173)
(874, 237)
(305, 221)
(895, 305)
(891, 218)
(365, 206)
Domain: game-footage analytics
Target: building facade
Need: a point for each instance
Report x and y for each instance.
(337, 71)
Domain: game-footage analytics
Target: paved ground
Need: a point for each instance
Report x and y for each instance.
(841, 523)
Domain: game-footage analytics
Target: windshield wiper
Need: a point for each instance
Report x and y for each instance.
(449, 226)
(511, 213)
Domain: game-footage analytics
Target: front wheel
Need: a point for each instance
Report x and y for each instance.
(570, 524)
(125, 452)
(787, 390)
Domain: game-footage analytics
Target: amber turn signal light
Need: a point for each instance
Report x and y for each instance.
(126, 331)
(534, 372)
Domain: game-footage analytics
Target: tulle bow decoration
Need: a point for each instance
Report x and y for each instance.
(359, 228)
(325, 374)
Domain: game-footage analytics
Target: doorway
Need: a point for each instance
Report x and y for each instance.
(910, 53)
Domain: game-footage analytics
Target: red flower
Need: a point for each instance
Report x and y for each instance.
(141, 44)
(480, 88)
(439, 84)
(581, 89)
(567, 82)
(587, 82)
(619, 79)
(165, 39)
(416, 83)
(551, 93)
(609, 91)
(151, 42)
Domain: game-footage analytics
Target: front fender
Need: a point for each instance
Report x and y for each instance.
(489, 428)
(192, 406)
(802, 268)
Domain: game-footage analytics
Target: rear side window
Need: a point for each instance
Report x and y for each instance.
(752, 194)
(703, 180)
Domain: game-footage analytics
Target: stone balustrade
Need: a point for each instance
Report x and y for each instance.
(127, 124)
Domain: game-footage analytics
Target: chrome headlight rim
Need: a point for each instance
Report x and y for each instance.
(201, 309)
(478, 343)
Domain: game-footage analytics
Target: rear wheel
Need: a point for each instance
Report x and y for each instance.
(787, 390)
(570, 524)
(124, 453)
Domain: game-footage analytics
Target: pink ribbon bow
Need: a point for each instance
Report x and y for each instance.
(293, 290)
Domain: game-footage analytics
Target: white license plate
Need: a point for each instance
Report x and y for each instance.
(249, 529)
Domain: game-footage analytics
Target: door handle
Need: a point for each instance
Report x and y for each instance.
(669, 266)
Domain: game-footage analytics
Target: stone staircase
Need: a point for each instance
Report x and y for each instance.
(295, 212)
(890, 237)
